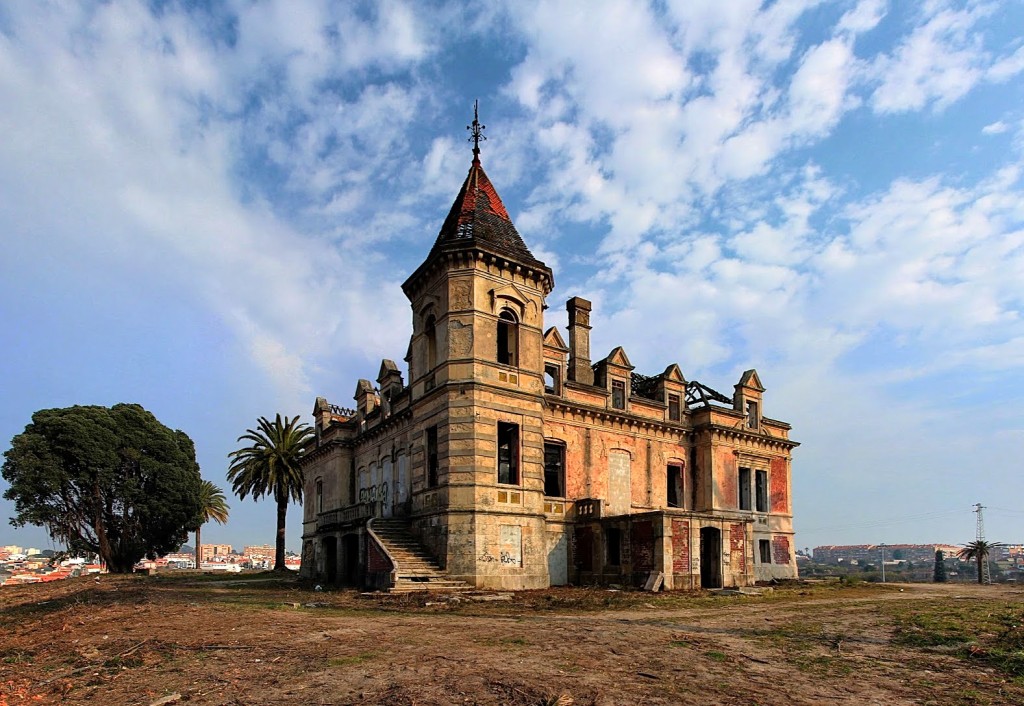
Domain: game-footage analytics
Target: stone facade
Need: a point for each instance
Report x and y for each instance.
(520, 463)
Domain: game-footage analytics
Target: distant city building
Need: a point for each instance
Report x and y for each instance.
(872, 553)
(262, 551)
(208, 551)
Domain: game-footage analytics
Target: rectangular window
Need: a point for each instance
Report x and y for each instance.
(554, 470)
(673, 408)
(432, 457)
(675, 485)
(761, 481)
(508, 453)
(613, 544)
(765, 549)
(319, 495)
(552, 379)
(618, 394)
(744, 482)
(752, 415)
(352, 482)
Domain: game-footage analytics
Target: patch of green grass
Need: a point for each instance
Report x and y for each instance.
(716, 656)
(351, 660)
(990, 632)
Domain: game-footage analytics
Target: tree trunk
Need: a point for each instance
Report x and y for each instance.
(282, 514)
(199, 552)
(981, 576)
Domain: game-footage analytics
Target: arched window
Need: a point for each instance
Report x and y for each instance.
(508, 338)
(431, 335)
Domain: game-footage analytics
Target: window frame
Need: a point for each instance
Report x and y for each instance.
(556, 379)
(675, 408)
(507, 338)
(671, 488)
(319, 490)
(744, 501)
(618, 386)
(764, 549)
(430, 453)
(762, 498)
(554, 446)
(510, 430)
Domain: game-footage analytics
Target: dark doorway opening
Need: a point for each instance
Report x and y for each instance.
(330, 549)
(350, 559)
(710, 557)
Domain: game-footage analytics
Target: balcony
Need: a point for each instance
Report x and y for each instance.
(352, 514)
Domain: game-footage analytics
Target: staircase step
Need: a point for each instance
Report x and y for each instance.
(415, 568)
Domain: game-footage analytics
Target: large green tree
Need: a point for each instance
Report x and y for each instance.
(978, 550)
(212, 506)
(270, 466)
(110, 481)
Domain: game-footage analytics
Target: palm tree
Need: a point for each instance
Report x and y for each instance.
(270, 466)
(214, 507)
(978, 550)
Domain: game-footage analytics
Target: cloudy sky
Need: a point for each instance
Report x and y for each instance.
(209, 212)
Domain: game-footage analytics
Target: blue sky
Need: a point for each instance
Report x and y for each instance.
(209, 211)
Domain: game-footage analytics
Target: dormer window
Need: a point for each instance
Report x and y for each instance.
(552, 379)
(673, 408)
(751, 414)
(508, 338)
(618, 394)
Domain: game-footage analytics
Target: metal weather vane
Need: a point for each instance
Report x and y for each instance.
(476, 130)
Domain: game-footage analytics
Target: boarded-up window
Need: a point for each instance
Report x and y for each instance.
(618, 394)
(508, 453)
(744, 483)
(619, 488)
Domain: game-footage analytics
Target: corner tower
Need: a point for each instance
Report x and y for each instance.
(476, 369)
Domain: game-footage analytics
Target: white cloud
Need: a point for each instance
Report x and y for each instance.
(996, 128)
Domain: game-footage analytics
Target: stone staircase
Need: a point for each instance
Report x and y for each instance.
(415, 569)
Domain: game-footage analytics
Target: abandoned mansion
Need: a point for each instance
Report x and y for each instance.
(512, 459)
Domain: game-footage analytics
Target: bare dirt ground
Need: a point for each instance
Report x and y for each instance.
(201, 640)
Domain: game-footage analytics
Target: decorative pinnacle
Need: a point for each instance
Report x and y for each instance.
(476, 130)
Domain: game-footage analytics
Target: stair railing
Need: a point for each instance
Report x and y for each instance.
(380, 544)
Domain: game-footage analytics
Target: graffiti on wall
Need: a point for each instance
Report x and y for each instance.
(374, 494)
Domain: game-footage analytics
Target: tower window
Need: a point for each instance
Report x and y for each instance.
(618, 394)
(319, 495)
(508, 453)
(673, 408)
(552, 379)
(751, 415)
(508, 338)
(554, 470)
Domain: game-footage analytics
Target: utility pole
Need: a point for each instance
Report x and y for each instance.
(984, 568)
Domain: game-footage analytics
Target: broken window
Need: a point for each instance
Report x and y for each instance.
(432, 457)
(613, 546)
(765, 549)
(761, 483)
(618, 394)
(508, 343)
(675, 485)
(751, 414)
(508, 453)
(554, 469)
(673, 408)
(319, 495)
(744, 483)
(352, 481)
(552, 379)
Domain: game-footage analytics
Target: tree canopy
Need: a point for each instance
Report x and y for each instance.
(111, 481)
(270, 466)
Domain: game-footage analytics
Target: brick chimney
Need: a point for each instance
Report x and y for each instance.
(579, 341)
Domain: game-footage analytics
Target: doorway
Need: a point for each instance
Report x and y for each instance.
(350, 559)
(710, 557)
(330, 549)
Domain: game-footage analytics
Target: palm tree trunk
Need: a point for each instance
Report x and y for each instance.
(282, 513)
(199, 552)
(981, 578)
